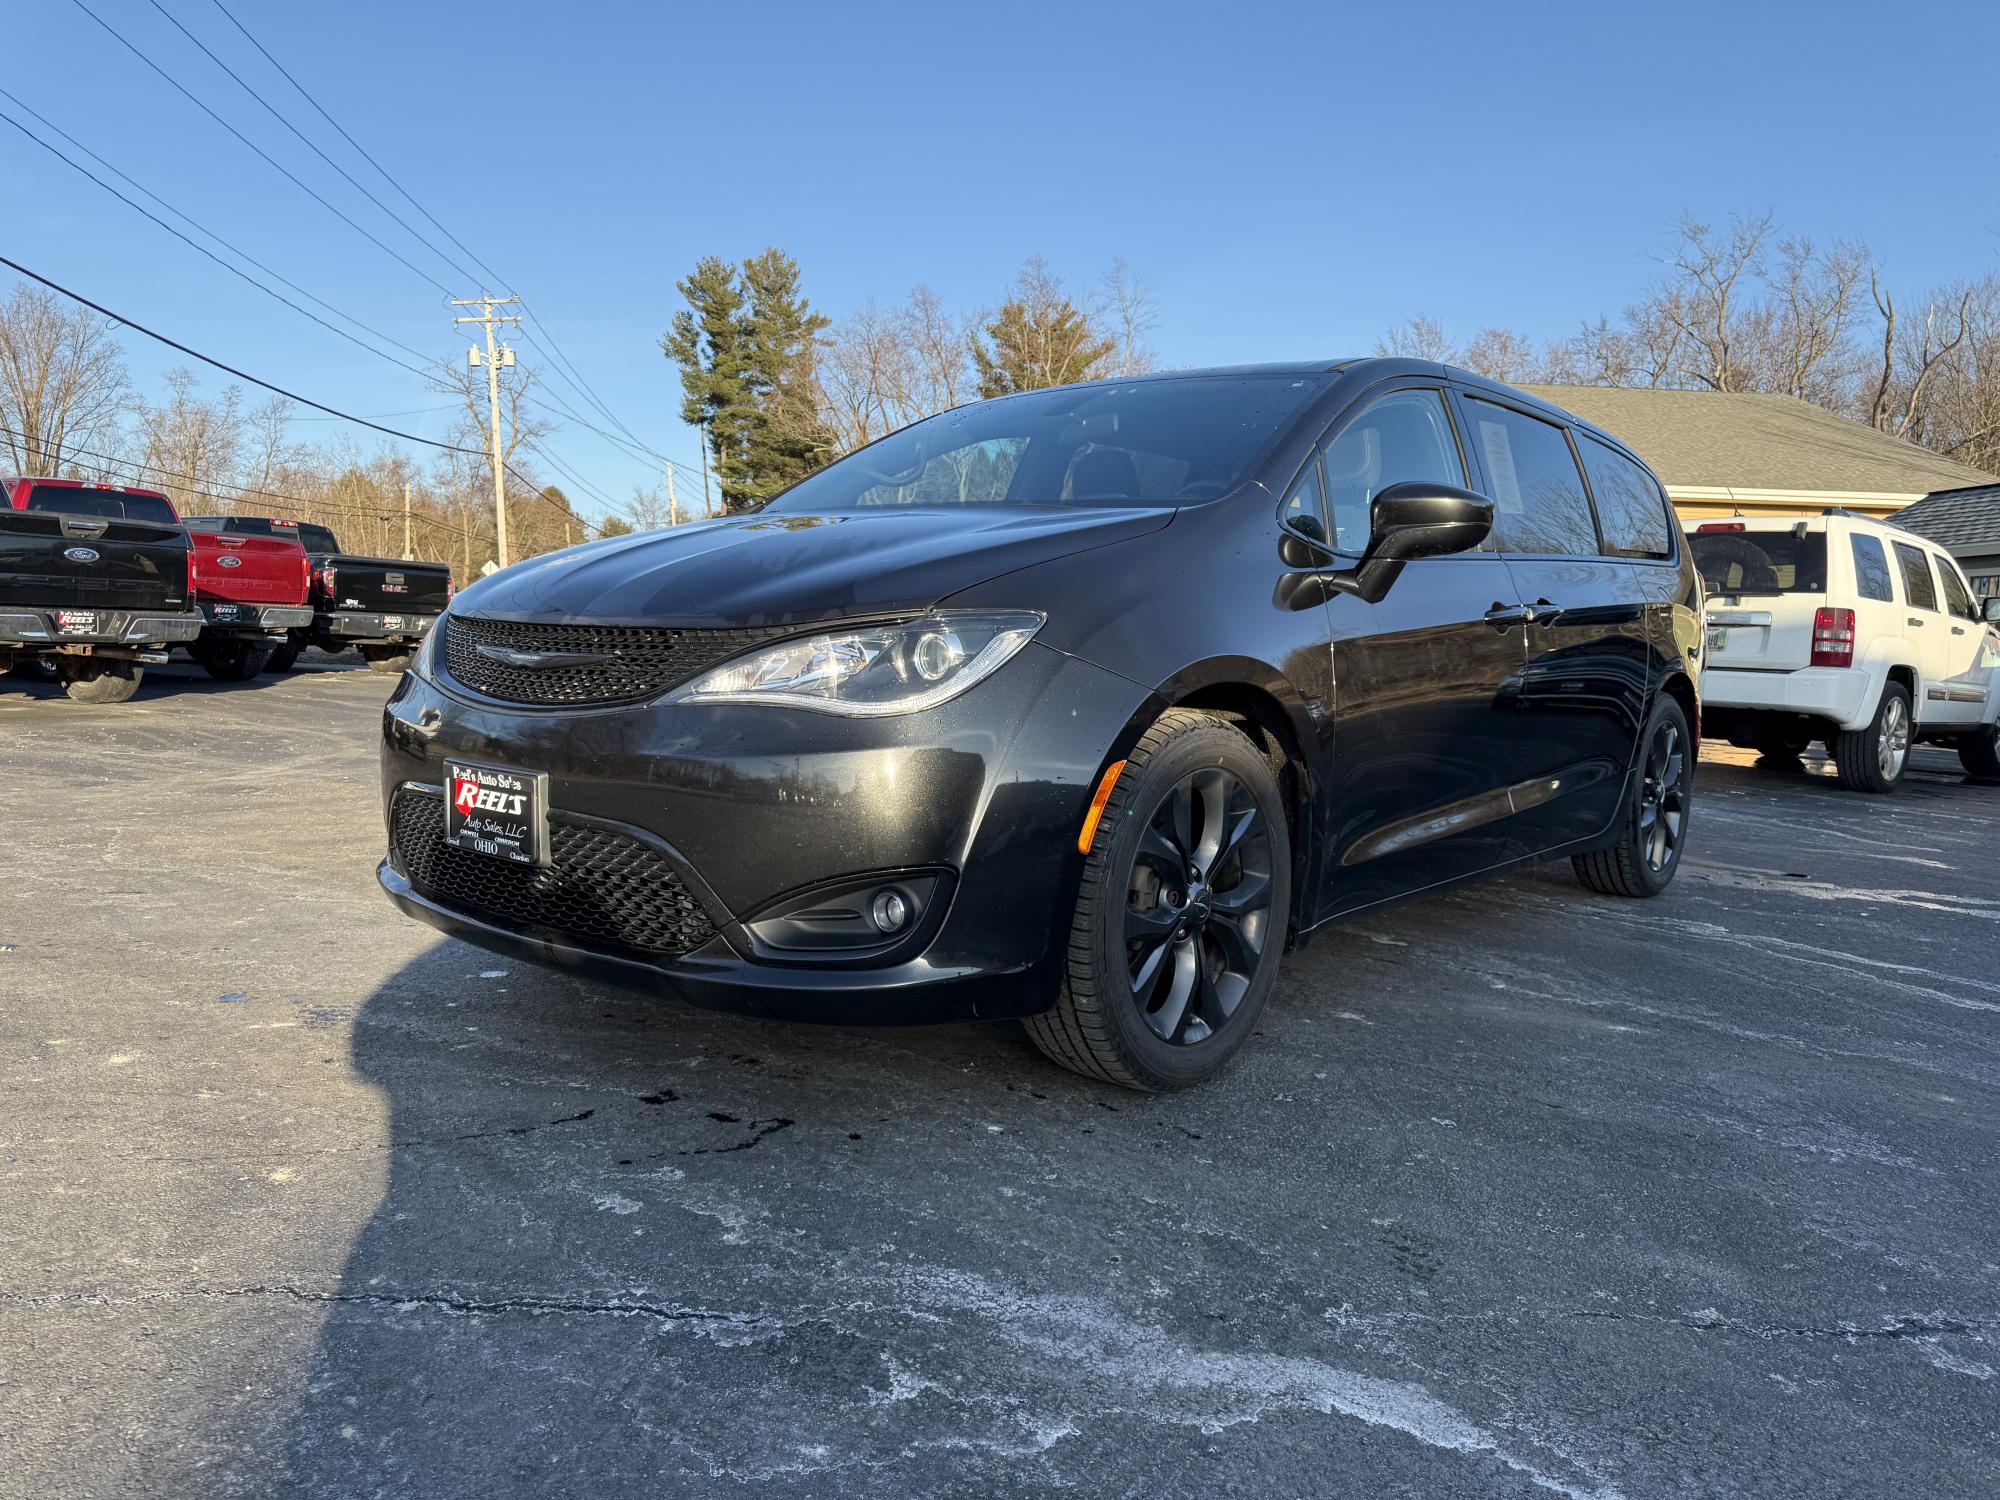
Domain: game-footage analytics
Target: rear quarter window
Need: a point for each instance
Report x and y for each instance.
(1917, 581)
(1631, 507)
(1871, 569)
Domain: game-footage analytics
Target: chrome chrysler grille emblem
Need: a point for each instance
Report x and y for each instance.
(536, 660)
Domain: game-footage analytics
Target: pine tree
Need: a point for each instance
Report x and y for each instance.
(706, 341)
(1040, 338)
(781, 342)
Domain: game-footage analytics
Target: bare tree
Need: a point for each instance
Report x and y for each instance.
(938, 376)
(62, 381)
(1127, 306)
(1701, 301)
(192, 444)
(1812, 355)
(1422, 337)
(1909, 362)
(1503, 354)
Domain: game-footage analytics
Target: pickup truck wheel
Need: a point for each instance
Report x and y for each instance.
(102, 681)
(234, 661)
(1872, 758)
(286, 655)
(1181, 914)
(385, 658)
(1979, 753)
(1648, 851)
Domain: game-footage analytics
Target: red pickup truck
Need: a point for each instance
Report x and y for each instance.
(251, 591)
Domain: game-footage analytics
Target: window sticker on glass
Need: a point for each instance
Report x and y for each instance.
(1500, 465)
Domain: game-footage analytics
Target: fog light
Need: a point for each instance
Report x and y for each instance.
(889, 911)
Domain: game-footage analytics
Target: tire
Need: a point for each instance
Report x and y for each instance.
(233, 661)
(286, 655)
(1873, 758)
(385, 658)
(104, 682)
(1216, 947)
(1783, 747)
(1654, 827)
(1979, 753)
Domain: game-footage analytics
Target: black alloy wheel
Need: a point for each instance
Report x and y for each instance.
(1181, 914)
(1198, 907)
(1654, 830)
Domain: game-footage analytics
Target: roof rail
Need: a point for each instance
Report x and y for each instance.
(1855, 515)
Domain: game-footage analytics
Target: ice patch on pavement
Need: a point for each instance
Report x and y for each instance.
(616, 1203)
(1945, 1360)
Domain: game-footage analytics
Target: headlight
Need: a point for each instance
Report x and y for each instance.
(871, 670)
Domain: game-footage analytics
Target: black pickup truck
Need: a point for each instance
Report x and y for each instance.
(97, 580)
(379, 605)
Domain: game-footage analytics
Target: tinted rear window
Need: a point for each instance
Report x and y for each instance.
(1871, 569)
(1631, 509)
(1760, 562)
(1917, 582)
(1148, 442)
(1538, 500)
(112, 505)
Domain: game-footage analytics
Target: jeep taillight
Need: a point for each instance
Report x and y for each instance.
(1833, 637)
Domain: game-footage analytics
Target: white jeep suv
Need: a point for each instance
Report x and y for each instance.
(1849, 630)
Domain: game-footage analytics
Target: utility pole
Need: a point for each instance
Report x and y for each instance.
(673, 505)
(704, 470)
(409, 555)
(495, 356)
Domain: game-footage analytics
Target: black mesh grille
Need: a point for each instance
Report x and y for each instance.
(602, 890)
(639, 661)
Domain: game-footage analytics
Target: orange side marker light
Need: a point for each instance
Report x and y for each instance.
(1097, 806)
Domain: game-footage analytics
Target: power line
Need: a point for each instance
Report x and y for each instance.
(562, 365)
(273, 161)
(311, 144)
(204, 250)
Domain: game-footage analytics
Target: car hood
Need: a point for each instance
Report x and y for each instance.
(793, 569)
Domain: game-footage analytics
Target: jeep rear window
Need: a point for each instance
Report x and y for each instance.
(1761, 562)
(113, 505)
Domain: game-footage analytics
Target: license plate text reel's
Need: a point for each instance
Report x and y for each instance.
(497, 812)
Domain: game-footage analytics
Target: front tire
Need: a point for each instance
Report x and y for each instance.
(1648, 851)
(102, 682)
(1873, 758)
(1181, 916)
(1979, 753)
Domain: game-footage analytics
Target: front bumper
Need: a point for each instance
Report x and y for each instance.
(222, 618)
(1846, 695)
(370, 625)
(755, 803)
(107, 627)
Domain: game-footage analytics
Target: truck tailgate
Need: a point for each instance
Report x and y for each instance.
(387, 584)
(51, 561)
(249, 569)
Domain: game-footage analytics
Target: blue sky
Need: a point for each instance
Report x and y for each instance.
(1292, 180)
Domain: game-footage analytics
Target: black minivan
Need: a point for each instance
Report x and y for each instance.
(1081, 705)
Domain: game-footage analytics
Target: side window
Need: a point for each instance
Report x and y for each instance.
(1395, 438)
(1871, 568)
(1917, 584)
(1538, 500)
(1305, 507)
(1956, 600)
(1631, 508)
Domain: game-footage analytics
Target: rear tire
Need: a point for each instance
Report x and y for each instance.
(1167, 970)
(286, 655)
(233, 661)
(1874, 757)
(1781, 749)
(386, 658)
(1648, 851)
(103, 682)
(1979, 753)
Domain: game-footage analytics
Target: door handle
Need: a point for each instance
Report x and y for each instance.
(1958, 630)
(1541, 610)
(1500, 616)
(1915, 621)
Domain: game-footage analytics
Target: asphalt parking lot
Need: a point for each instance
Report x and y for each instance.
(1522, 1191)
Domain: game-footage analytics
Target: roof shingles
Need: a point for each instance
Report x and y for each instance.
(1965, 520)
(1731, 440)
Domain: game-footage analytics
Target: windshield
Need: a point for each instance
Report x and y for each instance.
(1150, 442)
(114, 505)
(1761, 562)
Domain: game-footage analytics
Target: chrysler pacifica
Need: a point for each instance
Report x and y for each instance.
(1082, 705)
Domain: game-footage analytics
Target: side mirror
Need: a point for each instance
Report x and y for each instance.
(1990, 611)
(1412, 520)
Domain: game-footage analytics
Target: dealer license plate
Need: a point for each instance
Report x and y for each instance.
(392, 622)
(77, 621)
(493, 811)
